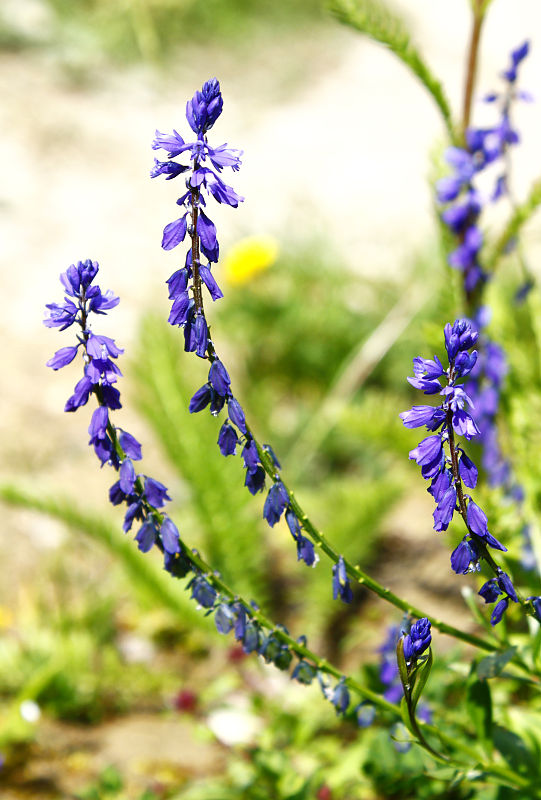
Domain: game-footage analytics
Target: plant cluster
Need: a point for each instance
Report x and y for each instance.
(468, 384)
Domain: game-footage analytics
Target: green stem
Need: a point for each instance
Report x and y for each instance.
(361, 577)
(521, 214)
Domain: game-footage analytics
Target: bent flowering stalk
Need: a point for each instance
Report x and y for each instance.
(188, 313)
(447, 466)
(459, 193)
(464, 201)
(145, 497)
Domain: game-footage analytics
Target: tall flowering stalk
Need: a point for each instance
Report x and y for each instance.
(464, 203)
(145, 497)
(447, 466)
(188, 313)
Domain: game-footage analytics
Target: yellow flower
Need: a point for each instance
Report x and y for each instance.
(6, 617)
(248, 257)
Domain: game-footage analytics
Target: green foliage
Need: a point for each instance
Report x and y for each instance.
(221, 508)
(376, 20)
(479, 709)
(146, 577)
(519, 217)
(493, 665)
(154, 30)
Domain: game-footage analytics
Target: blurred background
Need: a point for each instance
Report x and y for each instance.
(112, 684)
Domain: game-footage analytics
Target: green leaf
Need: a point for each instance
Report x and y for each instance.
(402, 668)
(377, 21)
(515, 751)
(536, 646)
(405, 715)
(145, 574)
(494, 664)
(520, 216)
(479, 708)
(471, 601)
(421, 678)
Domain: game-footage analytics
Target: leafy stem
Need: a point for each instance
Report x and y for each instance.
(355, 572)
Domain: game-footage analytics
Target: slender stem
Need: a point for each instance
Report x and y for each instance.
(197, 293)
(355, 572)
(519, 217)
(471, 69)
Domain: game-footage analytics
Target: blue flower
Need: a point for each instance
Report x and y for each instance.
(465, 557)
(146, 535)
(418, 640)
(340, 582)
(205, 107)
(228, 440)
(202, 592)
(490, 591)
(303, 673)
(219, 378)
(499, 610)
(340, 697)
(366, 714)
(155, 493)
(224, 618)
(170, 536)
(276, 502)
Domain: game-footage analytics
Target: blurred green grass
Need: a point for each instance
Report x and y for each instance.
(130, 31)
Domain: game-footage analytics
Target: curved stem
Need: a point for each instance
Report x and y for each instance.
(361, 577)
(197, 293)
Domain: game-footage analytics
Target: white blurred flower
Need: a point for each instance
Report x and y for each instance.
(234, 725)
(30, 711)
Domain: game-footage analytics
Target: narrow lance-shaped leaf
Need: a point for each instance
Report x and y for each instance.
(479, 708)
(374, 19)
(518, 219)
(420, 680)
